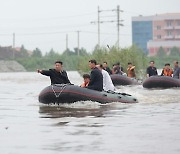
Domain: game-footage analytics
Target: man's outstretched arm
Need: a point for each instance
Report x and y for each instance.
(44, 72)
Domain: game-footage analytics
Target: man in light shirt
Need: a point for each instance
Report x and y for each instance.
(107, 82)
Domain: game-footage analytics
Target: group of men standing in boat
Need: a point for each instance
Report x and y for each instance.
(99, 78)
(167, 70)
(118, 69)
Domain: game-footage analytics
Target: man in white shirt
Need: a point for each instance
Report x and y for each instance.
(107, 82)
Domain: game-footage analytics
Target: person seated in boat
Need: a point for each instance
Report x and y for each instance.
(176, 72)
(131, 71)
(151, 70)
(113, 68)
(96, 77)
(57, 75)
(167, 71)
(107, 82)
(86, 78)
(106, 68)
(118, 69)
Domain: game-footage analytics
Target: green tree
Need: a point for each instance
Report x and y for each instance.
(175, 52)
(82, 51)
(52, 54)
(68, 52)
(161, 52)
(114, 55)
(37, 53)
(23, 52)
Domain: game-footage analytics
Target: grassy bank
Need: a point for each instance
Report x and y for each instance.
(80, 63)
(113, 55)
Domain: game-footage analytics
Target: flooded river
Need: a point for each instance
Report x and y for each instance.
(27, 127)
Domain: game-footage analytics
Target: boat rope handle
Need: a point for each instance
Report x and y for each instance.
(58, 94)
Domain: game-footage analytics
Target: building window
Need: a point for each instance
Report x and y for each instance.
(169, 33)
(158, 36)
(178, 23)
(178, 33)
(169, 23)
(158, 27)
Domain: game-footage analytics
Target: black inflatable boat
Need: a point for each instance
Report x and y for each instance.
(64, 93)
(123, 80)
(161, 82)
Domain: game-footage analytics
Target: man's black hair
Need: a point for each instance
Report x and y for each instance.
(118, 63)
(60, 62)
(167, 64)
(100, 65)
(93, 61)
(85, 76)
(152, 61)
(176, 62)
(129, 63)
(105, 62)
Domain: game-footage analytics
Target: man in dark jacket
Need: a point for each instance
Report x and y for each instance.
(118, 69)
(151, 70)
(57, 75)
(176, 73)
(106, 68)
(96, 77)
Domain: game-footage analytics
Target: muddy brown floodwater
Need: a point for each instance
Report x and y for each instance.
(151, 126)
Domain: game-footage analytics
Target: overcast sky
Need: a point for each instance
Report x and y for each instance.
(45, 23)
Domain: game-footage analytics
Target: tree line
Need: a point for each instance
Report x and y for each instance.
(162, 57)
(73, 61)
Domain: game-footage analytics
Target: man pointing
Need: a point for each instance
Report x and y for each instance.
(57, 75)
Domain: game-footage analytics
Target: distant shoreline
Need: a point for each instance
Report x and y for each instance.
(11, 66)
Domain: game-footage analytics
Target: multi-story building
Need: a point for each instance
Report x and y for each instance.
(152, 32)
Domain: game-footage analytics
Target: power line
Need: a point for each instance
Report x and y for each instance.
(45, 19)
(93, 32)
(53, 26)
(118, 21)
(5, 34)
(138, 13)
(110, 16)
(44, 33)
(59, 32)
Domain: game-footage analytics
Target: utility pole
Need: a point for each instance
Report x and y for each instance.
(118, 25)
(66, 42)
(118, 21)
(13, 45)
(78, 42)
(98, 27)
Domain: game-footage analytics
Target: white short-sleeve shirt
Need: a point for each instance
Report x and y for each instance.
(107, 82)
